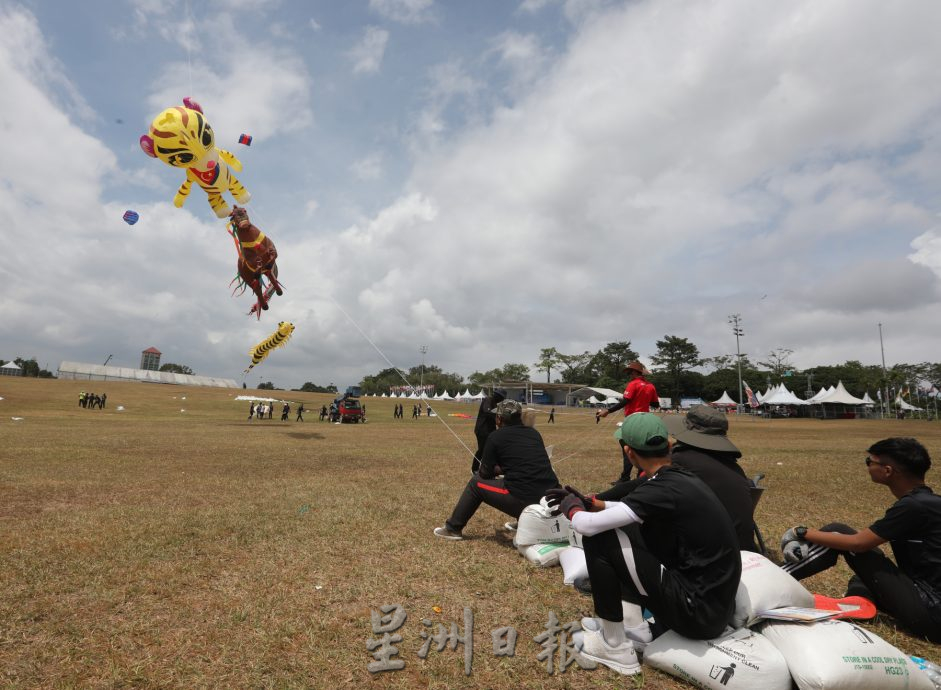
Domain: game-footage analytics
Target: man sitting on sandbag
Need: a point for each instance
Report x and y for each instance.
(910, 592)
(668, 546)
(518, 453)
(704, 449)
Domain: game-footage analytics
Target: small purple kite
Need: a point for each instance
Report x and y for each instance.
(245, 139)
(131, 217)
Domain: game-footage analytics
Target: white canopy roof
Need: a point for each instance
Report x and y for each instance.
(841, 396)
(823, 392)
(724, 400)
(612, 401)
(445, 396)
(466, 395)
(582, 393)
(11, 365)
(902, 405)
(781, 396)
(479, 395)
(869, 401)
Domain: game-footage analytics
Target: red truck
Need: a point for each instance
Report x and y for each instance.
(347, 410)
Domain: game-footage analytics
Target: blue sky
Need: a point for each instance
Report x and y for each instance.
(485, 178)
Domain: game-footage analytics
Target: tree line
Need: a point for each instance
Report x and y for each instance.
(678, 370)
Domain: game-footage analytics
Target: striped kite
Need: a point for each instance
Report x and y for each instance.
(276, 339)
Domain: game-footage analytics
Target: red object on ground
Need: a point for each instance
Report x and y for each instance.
(852, 607)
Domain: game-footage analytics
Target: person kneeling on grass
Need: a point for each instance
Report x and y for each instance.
(518, 453)
(668, 546)
(910, 592)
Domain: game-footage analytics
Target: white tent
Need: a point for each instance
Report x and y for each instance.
(466, 395)
(902, 405)
(867, 399)
(822, 393)
(724, 400)
(479, 395)
(612, 401)
(781, 396)
(841, 396)
(593, 401)
(445, 396)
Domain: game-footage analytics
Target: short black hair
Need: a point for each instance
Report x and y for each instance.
(907, 453)
(647, 454)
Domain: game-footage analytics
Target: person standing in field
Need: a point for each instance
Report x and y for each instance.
(639, 396)
(300, 413)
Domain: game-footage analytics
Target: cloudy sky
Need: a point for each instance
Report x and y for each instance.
(485, 178)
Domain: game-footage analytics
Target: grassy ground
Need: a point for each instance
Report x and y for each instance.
(176, 544)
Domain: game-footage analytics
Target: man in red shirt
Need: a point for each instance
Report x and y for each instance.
(639, 396)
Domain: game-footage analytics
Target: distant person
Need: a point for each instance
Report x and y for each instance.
(81, 399)
(909, 590)
(251, 410)
(428, 410)
(300, 413)
(285, 411)
(414, 411)
(323, 413)
(485, 424)
(551, 419)
(639, 396)
(519, 454)
(270, 410)
(104, 399)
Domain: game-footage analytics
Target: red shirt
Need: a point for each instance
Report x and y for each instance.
(639, 394)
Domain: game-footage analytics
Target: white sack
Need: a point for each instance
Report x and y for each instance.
(536, 525)
(573, 565)
(737, 659)
(765, 586)
(575, 539)
(545, 555)
(837, 655)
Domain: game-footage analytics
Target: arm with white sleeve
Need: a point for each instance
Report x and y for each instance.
(614, 514)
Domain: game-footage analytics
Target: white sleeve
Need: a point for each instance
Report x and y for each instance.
(615, 514)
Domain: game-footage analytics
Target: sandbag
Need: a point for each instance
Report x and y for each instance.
(737, 659)
(545, 555)
(765, 586)
(536, 525)
(837, 655)
(573, 565)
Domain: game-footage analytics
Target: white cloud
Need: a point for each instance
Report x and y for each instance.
(315, 25)
(927, 248)
(368, 168)
(368, 53)
(404, 11)
(522, 54)
(310, 208)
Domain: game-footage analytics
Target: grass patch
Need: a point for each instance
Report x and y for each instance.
(176, 544)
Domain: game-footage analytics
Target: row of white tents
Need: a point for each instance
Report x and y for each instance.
(838, 395)
(466, 395)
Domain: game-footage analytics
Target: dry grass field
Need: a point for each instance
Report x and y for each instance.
(175, 544)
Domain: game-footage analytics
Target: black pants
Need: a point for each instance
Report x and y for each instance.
(494, 493)
(621, 567)
(878, 579)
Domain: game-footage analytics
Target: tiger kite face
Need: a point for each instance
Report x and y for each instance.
(179, 136)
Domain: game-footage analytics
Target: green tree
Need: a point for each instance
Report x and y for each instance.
(310, 387)
(573, 367)
(779, 362)
(605, 368)
(176, 368)
(675, 356)
(267, 386)
(548, 360)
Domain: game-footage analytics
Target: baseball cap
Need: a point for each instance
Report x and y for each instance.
(643, 431)
(508, 408)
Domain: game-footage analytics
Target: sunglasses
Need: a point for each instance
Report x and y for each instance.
(870, 461)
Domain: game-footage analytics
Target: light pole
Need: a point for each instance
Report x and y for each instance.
(885, 378)
(423, 349)
(736, 321)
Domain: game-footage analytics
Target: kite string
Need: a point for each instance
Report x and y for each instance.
(189, 45)
(397, 370)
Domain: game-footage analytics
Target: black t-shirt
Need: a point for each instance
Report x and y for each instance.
(691, 534)
(521, 453)
(913, 526)
(722, 474)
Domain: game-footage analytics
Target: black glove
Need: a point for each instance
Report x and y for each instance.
(571, 504)
(555, 496)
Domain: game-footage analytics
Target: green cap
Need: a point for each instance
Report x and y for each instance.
(643, 431)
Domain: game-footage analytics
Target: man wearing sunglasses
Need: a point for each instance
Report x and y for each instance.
(911, 591)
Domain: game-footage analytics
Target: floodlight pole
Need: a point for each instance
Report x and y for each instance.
(736, 321)
(423, 349)
(885, 377)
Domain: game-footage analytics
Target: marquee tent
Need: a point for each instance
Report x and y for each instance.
(902, 405)
(724, 401)
(781, 396)
(839, 395)
(867, 399)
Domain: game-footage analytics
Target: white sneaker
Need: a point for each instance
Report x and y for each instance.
(622, 658)
(448, 533)
(510, 526)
